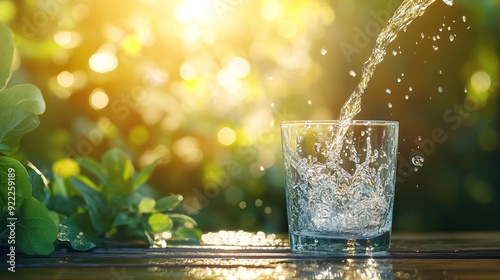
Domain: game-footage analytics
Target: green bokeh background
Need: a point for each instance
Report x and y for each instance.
(174, 87)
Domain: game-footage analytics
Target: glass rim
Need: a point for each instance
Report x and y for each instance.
(336, 122)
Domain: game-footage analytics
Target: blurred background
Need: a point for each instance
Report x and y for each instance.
(205, 84)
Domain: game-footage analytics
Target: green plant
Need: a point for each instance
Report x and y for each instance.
(117, 207)
(28, 225)
(82, 213)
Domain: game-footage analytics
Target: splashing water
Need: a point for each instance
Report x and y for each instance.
(324, 195)
(448, 2)
(403, 16)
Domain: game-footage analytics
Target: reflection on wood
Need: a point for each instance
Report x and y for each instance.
(413, 256)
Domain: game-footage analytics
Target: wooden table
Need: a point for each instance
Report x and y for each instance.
(240, 255)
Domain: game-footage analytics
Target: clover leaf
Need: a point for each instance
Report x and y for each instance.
(35, 229)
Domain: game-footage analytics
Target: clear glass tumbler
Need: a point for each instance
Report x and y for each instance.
(340, 178)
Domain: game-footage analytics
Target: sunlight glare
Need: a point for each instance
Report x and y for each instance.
(102, 62)
(239, 67)
(226, 136)
(193, 9)
(67, 39)
(271, 10)
(240, 238)
(98, 99)
(191, 33)
(65, 79)
(188, 72)
(188, 149)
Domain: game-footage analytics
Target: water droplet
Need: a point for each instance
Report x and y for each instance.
(440, 72)
(272, 104)
(388, 91)
(452, 38)
(410, 89)
(417, 161)
(309, 102)
(389, 105)
(448, 2)
(434, 38)
(440, 29)
(422, 35)
(435, 48)
(440, 89)
(464, 19)
(323, 51)
(317, 147)
(449, 28)
(399, 80)
(270, 78)
(352, 73)
(419, 138)
(407, 97)
(261, 168)
(394, 53)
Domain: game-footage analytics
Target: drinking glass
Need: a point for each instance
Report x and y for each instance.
(340, 178)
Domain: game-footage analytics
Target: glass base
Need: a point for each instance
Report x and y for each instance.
(335, 244)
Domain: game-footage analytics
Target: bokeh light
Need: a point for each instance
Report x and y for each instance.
(98, 99)
(226, 136)
(102, 62)
(65, 79)
(205, 84)
(139, 135)
(188, 72)
(188, 149)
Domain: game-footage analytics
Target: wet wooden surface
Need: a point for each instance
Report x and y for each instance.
(412, 256)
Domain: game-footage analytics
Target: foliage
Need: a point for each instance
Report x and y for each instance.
(81, 212)
(114, 208)
(19, 107)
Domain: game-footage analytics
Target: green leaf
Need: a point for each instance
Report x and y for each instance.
(126, 202)
(54, 216)
(65, 205)
(81, 221)
(186, 234)
(120, 170)
(13, 181)
(99, 210)
(6, 55)
(143, 176)
(35, 230)
(147, 205)
(158, 222)
(183, 220)
(40, 189)
(168, 203)
(70, 230)
(96, 168)
(19, 107)
(127, 219)
(58, 186)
